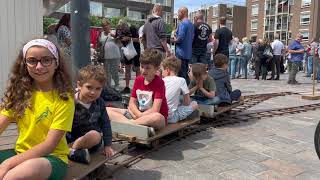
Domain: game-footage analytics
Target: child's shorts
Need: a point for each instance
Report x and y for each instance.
(59, 167)
(180, 114)
(71, 137)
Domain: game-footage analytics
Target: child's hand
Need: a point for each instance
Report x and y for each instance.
(108, 151)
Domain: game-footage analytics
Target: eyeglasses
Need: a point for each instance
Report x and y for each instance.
(44, 61)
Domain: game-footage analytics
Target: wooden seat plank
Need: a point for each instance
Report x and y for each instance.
(77, 171)
(169, 129)
(220, 110)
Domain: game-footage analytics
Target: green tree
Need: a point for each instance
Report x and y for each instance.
(47, 21)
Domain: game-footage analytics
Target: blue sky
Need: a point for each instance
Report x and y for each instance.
(194, 4)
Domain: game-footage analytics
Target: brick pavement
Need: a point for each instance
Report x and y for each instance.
(267, 149)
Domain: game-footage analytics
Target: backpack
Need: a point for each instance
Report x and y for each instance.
(110, 94)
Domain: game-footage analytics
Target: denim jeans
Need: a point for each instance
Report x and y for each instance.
(184, 69)
(244, 66)
(233, 66)
(206, 101)
(199, 56)
(238, 65)
(309, 66)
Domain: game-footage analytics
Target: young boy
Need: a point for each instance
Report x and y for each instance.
(147, 104)
(174, 86)
(90, 117)
(202, 86)
(222, 79)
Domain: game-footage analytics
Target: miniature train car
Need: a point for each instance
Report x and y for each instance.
(144, 135)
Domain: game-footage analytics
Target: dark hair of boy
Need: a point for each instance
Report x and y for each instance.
(172, 63)
(151, 56)
(92, 72)
(198, 69)
(220, 60)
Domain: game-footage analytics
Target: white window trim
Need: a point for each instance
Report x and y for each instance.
(254, 5)
(305, 23)
(254, 29)
(305, 5)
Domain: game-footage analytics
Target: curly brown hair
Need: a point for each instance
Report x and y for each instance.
(92, 72)
(151, 56)
(21, 85)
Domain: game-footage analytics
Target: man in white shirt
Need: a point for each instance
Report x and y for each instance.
(277, 47)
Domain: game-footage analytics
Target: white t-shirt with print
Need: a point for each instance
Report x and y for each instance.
(174, 86)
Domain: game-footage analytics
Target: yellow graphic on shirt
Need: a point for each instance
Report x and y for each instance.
(43, 115)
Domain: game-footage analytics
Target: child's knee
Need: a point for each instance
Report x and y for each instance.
(94, 136)
(30, 169)
(158, 120)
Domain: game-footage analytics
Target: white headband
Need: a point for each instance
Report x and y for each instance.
(43, 43)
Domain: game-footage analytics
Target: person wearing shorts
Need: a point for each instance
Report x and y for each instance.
(174, 86)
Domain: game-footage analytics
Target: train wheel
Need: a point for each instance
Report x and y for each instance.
(317, 140)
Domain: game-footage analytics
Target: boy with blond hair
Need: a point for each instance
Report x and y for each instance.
(148, 103)
(90, 117)
(174, 87)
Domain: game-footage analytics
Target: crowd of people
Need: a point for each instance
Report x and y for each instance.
(57, 123)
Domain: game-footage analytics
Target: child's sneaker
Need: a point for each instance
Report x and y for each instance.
(80, 156)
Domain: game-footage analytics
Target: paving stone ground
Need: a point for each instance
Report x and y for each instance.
(267, 149)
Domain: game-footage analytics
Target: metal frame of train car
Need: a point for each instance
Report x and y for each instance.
(76, 171)
(141, 134)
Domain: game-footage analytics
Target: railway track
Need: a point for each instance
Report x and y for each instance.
(236, 115)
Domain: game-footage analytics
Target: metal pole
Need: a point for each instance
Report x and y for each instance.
(80, 33)
(314, 70)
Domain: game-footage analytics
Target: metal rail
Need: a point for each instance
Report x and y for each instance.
(235, 116)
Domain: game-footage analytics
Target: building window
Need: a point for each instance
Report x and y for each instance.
(138, 0)
(111, 12)
(305, 35)
(167, 17)
(255, 10)
(162, 2)
(305, 18)
(136, 15)
(215, 11)
(229, 24)
(254, 25)
(214, 26)
(230, 11)
(305, 3)
(95, 8)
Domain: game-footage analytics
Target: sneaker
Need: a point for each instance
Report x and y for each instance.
(80, 156)
(126, 90)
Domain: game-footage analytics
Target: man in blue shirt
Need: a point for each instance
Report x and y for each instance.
(296, 50)
(183, 40)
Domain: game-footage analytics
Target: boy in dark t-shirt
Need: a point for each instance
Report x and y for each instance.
(148, 104)
(223, 37)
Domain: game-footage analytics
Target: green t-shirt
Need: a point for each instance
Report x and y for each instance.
(208, 84)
